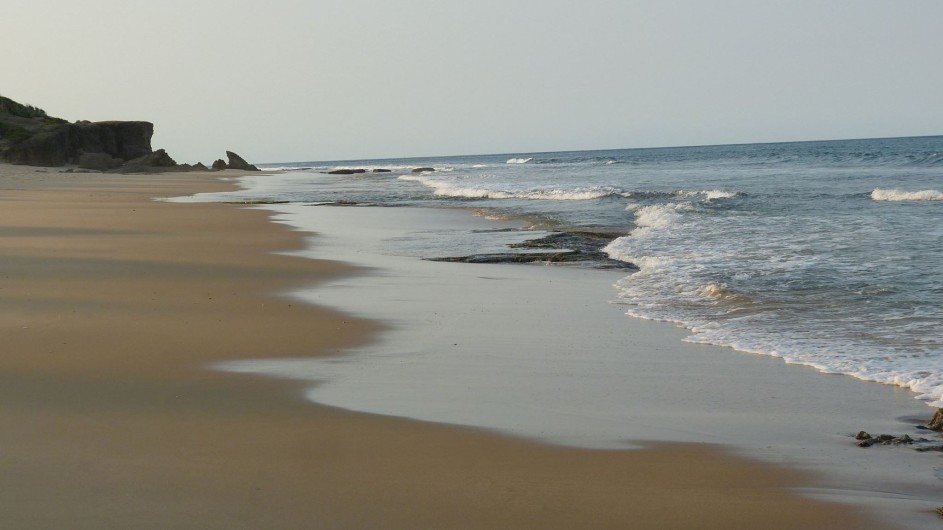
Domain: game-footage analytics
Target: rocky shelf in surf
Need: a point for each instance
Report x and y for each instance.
(921, 444)
(573, 247)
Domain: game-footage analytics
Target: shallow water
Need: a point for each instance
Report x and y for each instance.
(828, 254)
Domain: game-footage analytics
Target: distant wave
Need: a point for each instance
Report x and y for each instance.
(708, 195)
(931, 160)
(518, 160)
(899, 195)
(446, 189)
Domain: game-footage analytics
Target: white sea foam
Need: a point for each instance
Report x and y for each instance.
(519, 160)
(658, 215)
(448, 189)
(899, 195)
(709, 195)
(718, 194)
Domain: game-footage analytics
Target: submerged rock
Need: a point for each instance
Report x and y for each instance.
(424, 170)
(346, 171)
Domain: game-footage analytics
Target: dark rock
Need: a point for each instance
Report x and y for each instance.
(55, 144)
(424, 170)
(200, 167)
(98, 161)
(219, 165)
(865, 443)
(862, 436)
(346, 171)
(936, 422)
(236, 162)
(157, 162)
(903, 440)
(158, 158)
(382, 170)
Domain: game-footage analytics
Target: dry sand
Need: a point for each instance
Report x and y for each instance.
(111, 307)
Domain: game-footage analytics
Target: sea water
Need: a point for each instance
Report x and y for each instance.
(827, 254)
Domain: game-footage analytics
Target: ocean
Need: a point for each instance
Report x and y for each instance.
(827, 254)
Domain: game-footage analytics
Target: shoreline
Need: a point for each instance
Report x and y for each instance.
(435, 365)
(114, 303)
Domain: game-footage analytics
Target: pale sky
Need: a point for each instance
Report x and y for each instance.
(291, 80)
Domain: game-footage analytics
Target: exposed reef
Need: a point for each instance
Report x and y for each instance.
(574, 247)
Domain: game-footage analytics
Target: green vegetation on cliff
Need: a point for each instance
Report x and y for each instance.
(8, 106)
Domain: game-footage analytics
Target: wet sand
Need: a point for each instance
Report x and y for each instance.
(112, 307)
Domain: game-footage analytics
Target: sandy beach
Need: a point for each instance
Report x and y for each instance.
(113, 307)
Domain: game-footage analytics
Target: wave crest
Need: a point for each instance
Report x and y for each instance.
(899, 195)
(519, 160)
(446, 189)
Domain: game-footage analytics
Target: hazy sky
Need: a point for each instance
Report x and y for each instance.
(283, 80)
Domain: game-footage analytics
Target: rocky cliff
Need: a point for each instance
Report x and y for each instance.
(29, 136)
(56, 144)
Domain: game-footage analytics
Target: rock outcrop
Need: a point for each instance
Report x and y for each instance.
(936, 422)
(98, 161)
(237, 162)
(55, 143)
(151, 162)
(29, 136)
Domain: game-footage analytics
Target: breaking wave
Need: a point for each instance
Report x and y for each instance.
(899, 195)
(447, 189)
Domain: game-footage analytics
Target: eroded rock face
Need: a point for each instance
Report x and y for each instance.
(150, 163)
(237, 162)
(65, 143)
(219, 165)
(98, 161)
(158, 158)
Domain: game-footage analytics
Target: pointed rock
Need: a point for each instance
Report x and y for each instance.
(936, 422)
(237, 162)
